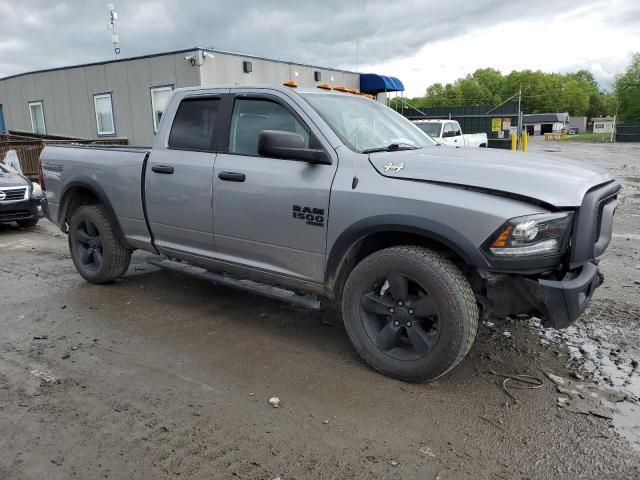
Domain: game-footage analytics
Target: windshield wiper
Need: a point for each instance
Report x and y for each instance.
(394, 147)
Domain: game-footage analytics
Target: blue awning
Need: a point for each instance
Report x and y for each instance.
(374, 83)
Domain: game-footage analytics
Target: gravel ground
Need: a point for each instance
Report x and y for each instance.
(162, 376)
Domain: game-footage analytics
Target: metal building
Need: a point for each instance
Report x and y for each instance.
(541, 123)
(125, 98)
(603, 125)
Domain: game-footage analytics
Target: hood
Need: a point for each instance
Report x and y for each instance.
(558, 182)
(12, 179)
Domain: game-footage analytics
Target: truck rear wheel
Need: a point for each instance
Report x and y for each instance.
(410, 313)
(97, 253)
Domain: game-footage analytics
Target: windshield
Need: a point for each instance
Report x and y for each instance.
(364, 124)
(431, 129)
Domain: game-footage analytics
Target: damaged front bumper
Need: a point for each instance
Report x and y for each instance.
(565, 300)
(558, 303)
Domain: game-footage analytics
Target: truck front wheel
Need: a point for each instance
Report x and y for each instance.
(97, 253)
(410, 313)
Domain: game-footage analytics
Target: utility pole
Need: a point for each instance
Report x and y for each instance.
(520, 118)
(111, 25)
(615, 119)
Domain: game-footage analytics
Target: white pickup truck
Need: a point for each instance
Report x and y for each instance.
(450, 133)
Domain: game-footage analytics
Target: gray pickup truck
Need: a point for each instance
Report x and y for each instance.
(333, 195)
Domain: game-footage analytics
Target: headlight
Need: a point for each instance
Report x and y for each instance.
(36, 191)
(545, 234)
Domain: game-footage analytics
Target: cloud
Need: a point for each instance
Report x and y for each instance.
(39, 34)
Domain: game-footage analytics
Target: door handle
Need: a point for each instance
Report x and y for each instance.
(231, 176)
(162, 169)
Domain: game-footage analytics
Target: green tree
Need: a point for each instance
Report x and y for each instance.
(576, 92)
(627, 91)
(575, 98)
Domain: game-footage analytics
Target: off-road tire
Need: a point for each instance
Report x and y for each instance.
(31, 222)
(451, 293)
(115, 256)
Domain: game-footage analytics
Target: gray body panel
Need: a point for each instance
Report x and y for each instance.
(254, 223)
(458, 197)
(558, 183)
(112, 173)
(179, 205)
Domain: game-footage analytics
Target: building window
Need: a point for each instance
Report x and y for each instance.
(36, 110)
(247, 67)
(104, 114)
(159, 99)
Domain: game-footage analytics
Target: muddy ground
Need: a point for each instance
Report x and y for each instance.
(162, 376)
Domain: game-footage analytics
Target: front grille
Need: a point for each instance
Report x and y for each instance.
(10, 195)
(11, 216)
(592, 229)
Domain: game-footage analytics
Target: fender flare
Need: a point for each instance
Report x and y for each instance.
(398, 223)
(94, 187)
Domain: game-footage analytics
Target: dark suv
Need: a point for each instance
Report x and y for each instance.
(17, 200)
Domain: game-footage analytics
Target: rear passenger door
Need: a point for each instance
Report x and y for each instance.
(179, 178)
(271, 214)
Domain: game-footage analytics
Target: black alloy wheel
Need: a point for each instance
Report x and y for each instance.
(400, 317)
(89, 245)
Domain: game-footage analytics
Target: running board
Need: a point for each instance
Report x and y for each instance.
(308, 301)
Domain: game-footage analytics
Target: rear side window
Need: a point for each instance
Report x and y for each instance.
(194, 124)
(251, 116)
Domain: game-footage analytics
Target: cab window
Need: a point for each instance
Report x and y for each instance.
(252, 116)
(194, 124)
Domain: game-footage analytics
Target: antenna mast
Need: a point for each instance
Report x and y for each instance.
(111, 25)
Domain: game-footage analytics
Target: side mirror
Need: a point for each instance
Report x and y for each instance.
(289, 146)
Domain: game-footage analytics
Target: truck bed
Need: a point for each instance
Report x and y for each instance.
(116, 173)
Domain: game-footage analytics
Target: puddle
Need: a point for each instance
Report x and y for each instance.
(607, 367)
(602, 360)
(626, 421)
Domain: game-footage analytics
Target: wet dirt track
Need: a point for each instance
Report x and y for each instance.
(162, 376)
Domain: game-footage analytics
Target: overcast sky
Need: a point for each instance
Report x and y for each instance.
(419, 41)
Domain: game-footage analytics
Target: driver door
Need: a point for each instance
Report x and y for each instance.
(270, 214)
